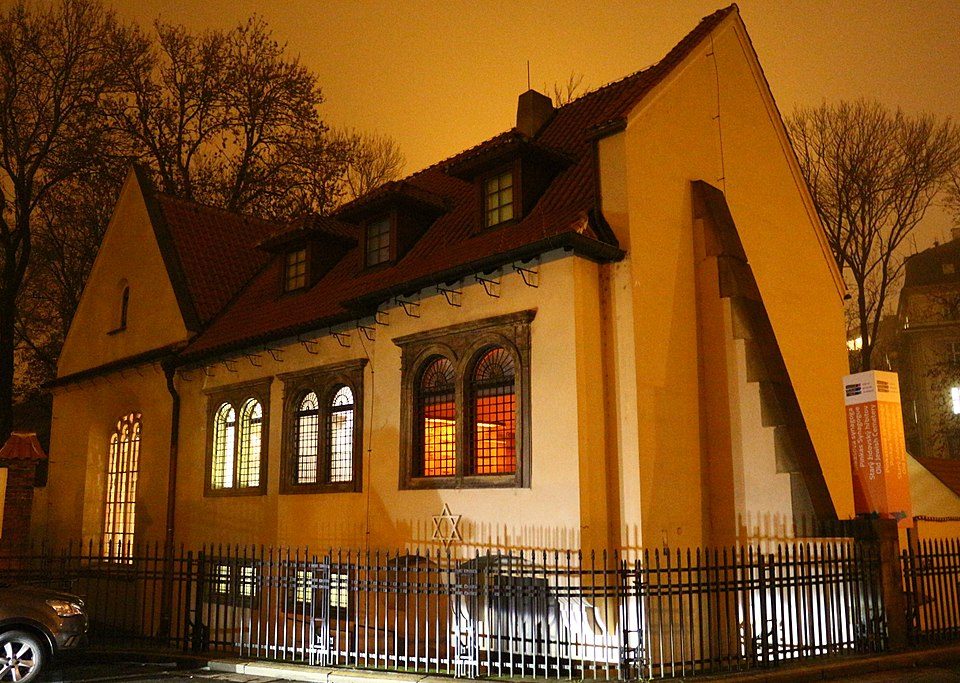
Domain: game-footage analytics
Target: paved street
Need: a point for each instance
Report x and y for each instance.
(77, 670)
(922, 675)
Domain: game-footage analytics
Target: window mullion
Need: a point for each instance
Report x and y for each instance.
(323, 426)
(461, 425)
(237, 447)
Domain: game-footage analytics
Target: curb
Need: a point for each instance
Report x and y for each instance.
(847, 666)
(318, 674)
(830, 669)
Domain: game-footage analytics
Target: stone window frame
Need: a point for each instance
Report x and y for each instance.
(463, 344)
(236, 395)
(321, 380)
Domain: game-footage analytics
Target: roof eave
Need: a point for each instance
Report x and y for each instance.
(366, 305)
(162, 353)
(575, 242)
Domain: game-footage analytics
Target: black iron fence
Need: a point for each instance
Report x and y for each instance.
(518, 614)
(931, 579)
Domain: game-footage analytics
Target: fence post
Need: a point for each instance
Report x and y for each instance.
(199, 628)
(886, 536)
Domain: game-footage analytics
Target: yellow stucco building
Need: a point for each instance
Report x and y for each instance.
(616, 324)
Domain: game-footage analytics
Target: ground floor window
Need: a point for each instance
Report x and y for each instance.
(120, 508)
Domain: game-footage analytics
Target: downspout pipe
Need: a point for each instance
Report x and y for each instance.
(166, 603)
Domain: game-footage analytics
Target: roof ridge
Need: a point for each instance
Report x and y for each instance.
(677, 47)
(437, 165)
(220, 209)
(682, 45)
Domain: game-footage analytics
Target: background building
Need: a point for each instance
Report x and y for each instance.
(929, 351)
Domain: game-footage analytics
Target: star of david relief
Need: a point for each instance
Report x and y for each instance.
(446, 527)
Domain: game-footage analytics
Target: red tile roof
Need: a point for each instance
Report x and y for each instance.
(565, 215)
(22, 446)
(214, 249)
(944, 469)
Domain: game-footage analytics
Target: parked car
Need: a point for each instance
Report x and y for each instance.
(36, 624)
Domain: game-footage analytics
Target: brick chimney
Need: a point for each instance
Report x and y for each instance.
(533, 111)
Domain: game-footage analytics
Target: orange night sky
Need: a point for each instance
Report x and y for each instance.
(442, 76)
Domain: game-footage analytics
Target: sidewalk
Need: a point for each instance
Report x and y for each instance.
(807, 671)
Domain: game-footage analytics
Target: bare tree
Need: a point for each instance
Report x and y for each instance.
(564, 93)
(68, 227)
(873, 174)
(373, 160)
(951, 200)
(223, 117)
(57, 64)
(230, 118)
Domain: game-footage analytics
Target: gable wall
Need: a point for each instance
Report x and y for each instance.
(129, 254)
(672, 139)
(70, 507)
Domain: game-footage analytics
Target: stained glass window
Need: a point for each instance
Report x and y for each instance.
(237, 445)
(121, 494)
(248, 455)
(224, 442)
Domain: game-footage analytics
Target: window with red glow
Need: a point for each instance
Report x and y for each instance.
(494, 412)
(437, 419)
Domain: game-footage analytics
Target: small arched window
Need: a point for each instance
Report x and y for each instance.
(307, 426)
(124, 305)
(340, 436)
(224, 444)
(494, 413)
(322, 430)
(123, 466)
(248, 454)
(437, 420)
(236, 449)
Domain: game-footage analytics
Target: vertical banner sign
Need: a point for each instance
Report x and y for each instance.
(878, 456)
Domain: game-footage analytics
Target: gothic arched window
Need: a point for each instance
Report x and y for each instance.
(120, 508)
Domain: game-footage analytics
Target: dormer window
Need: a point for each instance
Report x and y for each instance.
(295, 270)
(377, 242)
(498, 198)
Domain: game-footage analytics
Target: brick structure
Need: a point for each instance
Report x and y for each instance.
(21, 455)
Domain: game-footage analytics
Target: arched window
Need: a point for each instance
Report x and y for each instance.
(224, 443)
(307, 438)
(322, 429)
(340, 436)
(494, 413)
(238, 421)
(465, 404)
(248, 454)
(437, 420)
(121, 494)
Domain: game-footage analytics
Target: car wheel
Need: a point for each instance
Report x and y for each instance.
(21, 656)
